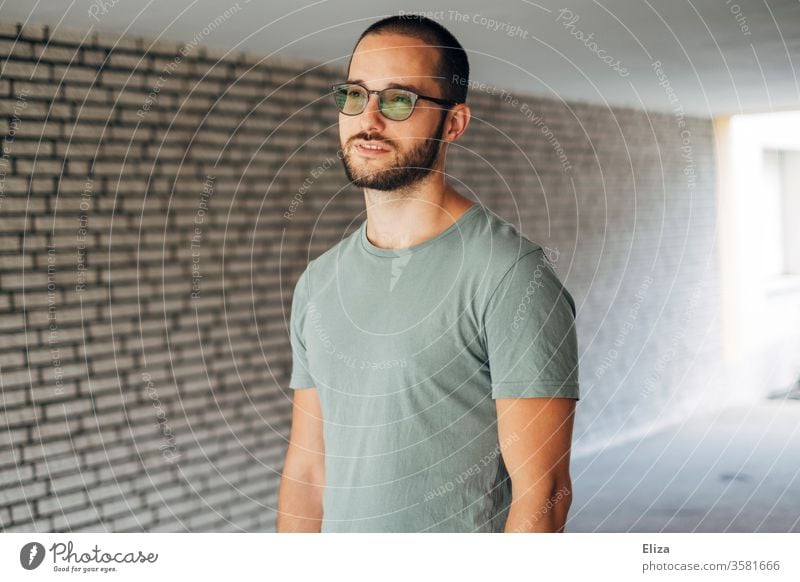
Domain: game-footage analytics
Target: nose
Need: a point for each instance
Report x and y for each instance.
(371, 119)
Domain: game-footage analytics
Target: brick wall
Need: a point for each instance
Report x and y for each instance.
(157, 204)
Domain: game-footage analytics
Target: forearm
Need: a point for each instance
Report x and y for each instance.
(539, 510)
(300, 503)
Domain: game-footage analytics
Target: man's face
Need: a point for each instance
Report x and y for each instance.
(408, 149)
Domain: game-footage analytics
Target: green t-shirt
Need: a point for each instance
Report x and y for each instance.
(407, 349)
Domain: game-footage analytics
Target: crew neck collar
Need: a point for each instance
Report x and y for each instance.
(381, 252)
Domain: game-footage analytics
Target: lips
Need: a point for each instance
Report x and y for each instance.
(372, 148)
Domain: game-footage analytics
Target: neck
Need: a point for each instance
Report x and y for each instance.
(398, 220)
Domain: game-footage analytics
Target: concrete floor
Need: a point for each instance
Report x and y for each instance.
(735, 470)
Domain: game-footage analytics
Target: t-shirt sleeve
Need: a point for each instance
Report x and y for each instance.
(529, 332)
(300, 377)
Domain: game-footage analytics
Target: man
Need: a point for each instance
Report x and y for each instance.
(435, 361)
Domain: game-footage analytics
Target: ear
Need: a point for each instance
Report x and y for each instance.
(459, 116)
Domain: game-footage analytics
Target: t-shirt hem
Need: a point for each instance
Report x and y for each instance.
(535, 390)
(301, 382)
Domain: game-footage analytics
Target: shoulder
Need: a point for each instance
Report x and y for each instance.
(516, 263)
(501, 245)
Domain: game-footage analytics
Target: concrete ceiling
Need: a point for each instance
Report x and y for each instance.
(717, 56)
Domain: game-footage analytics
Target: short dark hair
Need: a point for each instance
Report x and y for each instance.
(453, 67)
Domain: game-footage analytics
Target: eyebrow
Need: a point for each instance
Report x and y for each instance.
(407, 86)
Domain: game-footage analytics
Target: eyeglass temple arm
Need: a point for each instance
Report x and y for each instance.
(437, 100)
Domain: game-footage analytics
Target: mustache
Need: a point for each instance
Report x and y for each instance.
(369, 137)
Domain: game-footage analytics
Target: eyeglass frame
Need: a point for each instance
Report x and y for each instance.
(417, 96)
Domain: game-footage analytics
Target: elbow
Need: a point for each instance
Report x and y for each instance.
(543, 506)
(555, 488)
(562, 501)
(303, 466)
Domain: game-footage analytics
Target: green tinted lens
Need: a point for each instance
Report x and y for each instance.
(396, 104)
(340, 96)
(350, 99)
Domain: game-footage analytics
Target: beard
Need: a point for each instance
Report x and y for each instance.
(411, 167)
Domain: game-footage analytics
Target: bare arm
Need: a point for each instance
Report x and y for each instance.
(303, 479)
(535, 439)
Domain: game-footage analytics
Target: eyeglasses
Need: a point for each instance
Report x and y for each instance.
(394, 104)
